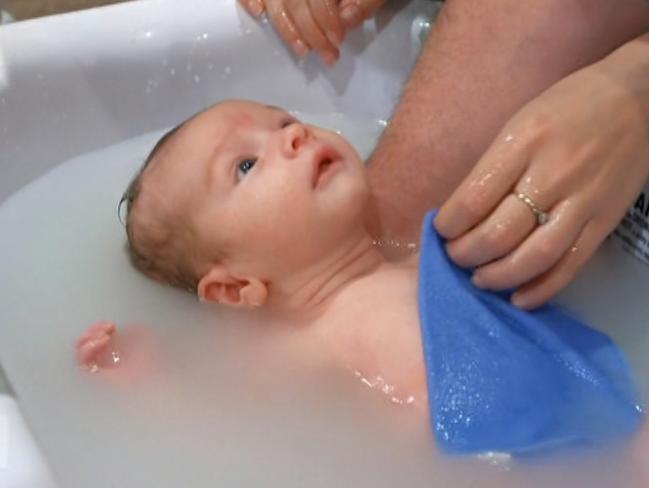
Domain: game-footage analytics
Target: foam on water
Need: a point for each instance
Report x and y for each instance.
(212, 398)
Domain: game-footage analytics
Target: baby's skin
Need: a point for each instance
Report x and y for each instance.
(285, 203)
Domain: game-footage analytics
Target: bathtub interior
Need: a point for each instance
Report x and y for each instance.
(121, 71)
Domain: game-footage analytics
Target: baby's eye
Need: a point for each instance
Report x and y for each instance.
(244, 167)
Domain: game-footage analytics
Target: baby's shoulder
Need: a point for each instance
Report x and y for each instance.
(378, 307)
(375, 326)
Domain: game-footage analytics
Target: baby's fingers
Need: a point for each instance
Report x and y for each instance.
(91, 350)
(96, 330)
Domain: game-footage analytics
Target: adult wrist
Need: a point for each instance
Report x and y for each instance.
(628, 68)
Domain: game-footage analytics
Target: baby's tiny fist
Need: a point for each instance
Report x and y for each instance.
(92, 345)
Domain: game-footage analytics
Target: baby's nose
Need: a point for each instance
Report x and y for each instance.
(295, 137)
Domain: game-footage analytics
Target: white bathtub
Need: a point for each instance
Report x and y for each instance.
(77, 82)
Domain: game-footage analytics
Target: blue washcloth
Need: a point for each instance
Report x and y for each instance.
(502, 379)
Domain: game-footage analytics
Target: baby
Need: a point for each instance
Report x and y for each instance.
(248, 207)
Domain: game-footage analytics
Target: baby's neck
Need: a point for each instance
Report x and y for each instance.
(309, 293)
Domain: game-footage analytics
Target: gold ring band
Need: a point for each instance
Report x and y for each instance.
(541, 216)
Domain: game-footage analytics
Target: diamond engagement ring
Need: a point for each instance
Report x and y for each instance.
(541, 216)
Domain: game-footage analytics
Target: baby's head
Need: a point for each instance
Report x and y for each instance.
(241, 197)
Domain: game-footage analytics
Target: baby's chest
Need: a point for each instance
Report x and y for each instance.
(381, 331)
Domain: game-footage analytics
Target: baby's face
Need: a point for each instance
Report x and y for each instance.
(270, 192)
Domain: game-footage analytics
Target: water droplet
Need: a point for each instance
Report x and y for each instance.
(383, 123)
(172, 71)
(203, 36)
(165, 62)
(197, 79)
(395, 244)
(115, 357)
(148, 34)
(210, 66)
(501, 460)
(189, 67)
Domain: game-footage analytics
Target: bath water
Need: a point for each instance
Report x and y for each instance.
(212, 397)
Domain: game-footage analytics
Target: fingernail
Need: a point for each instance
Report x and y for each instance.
(439, 226)
(520, 300)
(329, 58)
(255, 7)
(350, 14)
(300, 48)
(477, 280)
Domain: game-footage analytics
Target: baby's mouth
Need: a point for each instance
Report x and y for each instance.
(327, 162)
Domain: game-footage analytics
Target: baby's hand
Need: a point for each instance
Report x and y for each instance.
(93, 346)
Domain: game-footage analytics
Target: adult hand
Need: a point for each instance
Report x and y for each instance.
(317, 25)
(354, 12)
(580, 153)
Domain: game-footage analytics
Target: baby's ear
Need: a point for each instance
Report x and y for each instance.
(220, 286)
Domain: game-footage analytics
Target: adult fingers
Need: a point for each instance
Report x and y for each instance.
(496, 236)
(253, 7)
(489, 182)
(311, 32)
(326, 11)
(353, 12)
(538, 253)
(540, 290)
(285, 26)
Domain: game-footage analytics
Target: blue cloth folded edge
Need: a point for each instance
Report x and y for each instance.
(507, 380)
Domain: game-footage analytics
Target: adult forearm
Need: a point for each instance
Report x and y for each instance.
(482, 62)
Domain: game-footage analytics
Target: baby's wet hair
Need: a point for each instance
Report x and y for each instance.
(148, 248)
